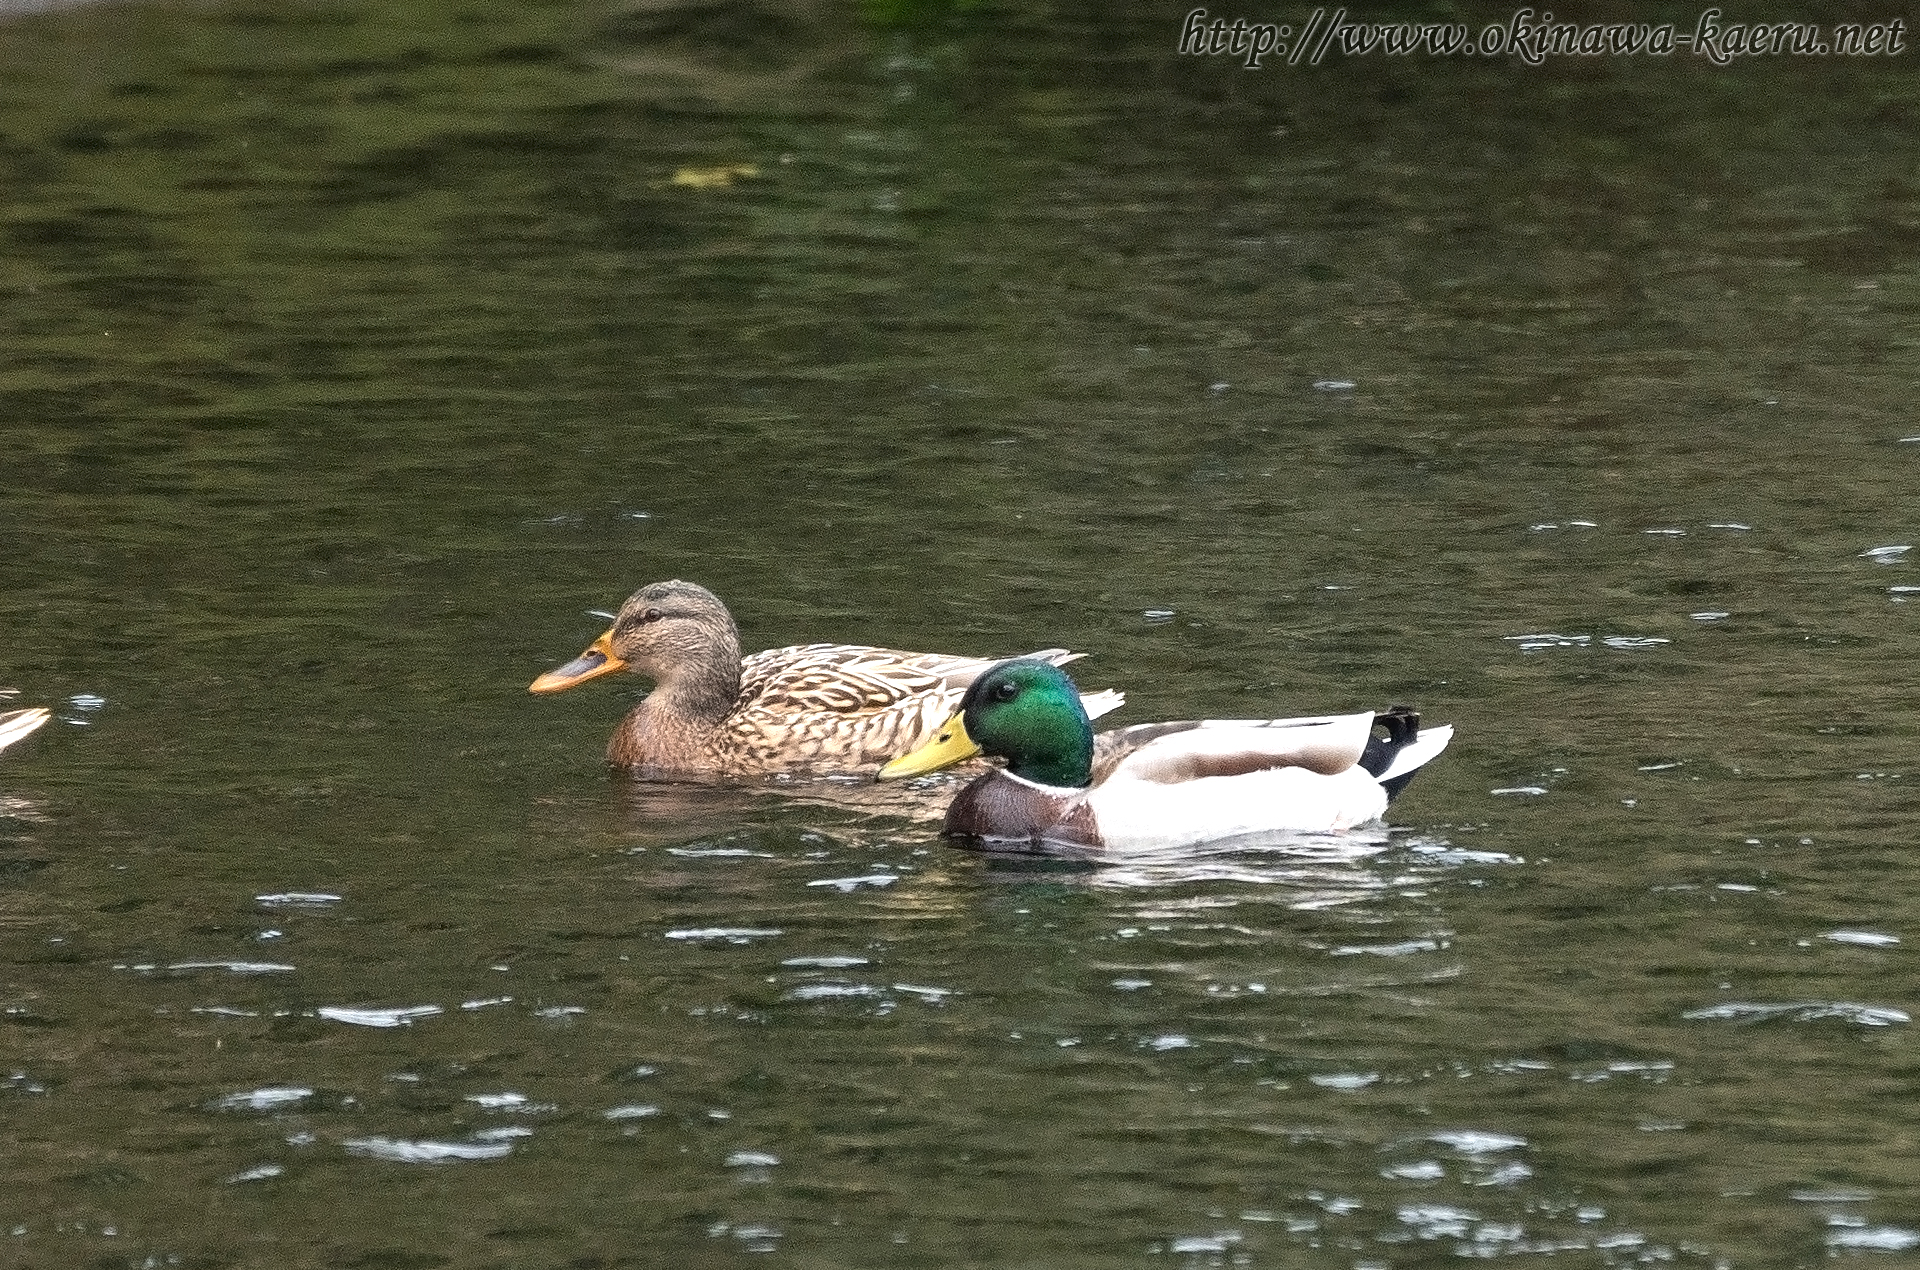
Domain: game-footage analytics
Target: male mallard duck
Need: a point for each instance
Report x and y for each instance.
(1160, 784)
(17, 725)
(818, 708)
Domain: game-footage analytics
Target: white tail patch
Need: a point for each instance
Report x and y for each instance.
(1418, 752)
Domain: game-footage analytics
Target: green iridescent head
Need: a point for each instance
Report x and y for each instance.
(1029, 713)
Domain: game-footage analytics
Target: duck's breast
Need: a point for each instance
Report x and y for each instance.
(1002, 807)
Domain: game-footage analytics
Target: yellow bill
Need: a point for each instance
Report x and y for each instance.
(951, 746)
(598, 660)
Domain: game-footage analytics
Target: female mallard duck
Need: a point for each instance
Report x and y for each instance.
(1160, 784)
(17, 725)
(817, 709)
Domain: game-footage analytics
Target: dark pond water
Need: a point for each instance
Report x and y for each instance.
(355, 353)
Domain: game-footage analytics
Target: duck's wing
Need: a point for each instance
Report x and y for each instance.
(1175, 784)
(854, 679)
(834, 706)
(1174, 753)
(17, 725)
(850, 704)
(838, 679)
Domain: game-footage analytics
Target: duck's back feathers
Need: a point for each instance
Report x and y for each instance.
(849, 678)
(841, 706)
(1170, 753)
(820, 705)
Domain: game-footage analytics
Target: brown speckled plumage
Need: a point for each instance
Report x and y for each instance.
(815, 709)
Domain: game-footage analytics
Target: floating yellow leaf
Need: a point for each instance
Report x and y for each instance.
(714, 178)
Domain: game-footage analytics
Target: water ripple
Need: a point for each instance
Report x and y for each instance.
(258, 1173)
(262, 1099)
(405, 1151)
(1547, 639)
(1802, 1012)
(732, 934)
(231, 967)
(845, 885)
(1345, 1082)
(829, 991)
(1875, 1239)
(1402, 949)
(630, 1111)
(1869, 939)
(396, 1016)
(753, 1236)
(1197, 1245)
(507, 1102)
(1476, 1141)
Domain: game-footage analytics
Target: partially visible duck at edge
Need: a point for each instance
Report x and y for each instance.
(18, 725)
(815, 709)
(1160, 784)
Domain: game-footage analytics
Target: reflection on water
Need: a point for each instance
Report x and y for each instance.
(349, 348)
(676, 808)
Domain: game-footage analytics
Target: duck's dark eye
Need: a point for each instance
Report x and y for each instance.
(645, 617)
(1004, 692)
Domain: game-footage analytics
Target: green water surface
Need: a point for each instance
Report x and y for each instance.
(352, 354)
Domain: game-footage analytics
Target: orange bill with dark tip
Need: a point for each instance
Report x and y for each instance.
(598, 660)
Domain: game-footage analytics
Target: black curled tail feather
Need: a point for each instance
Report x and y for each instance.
(1401, 725)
